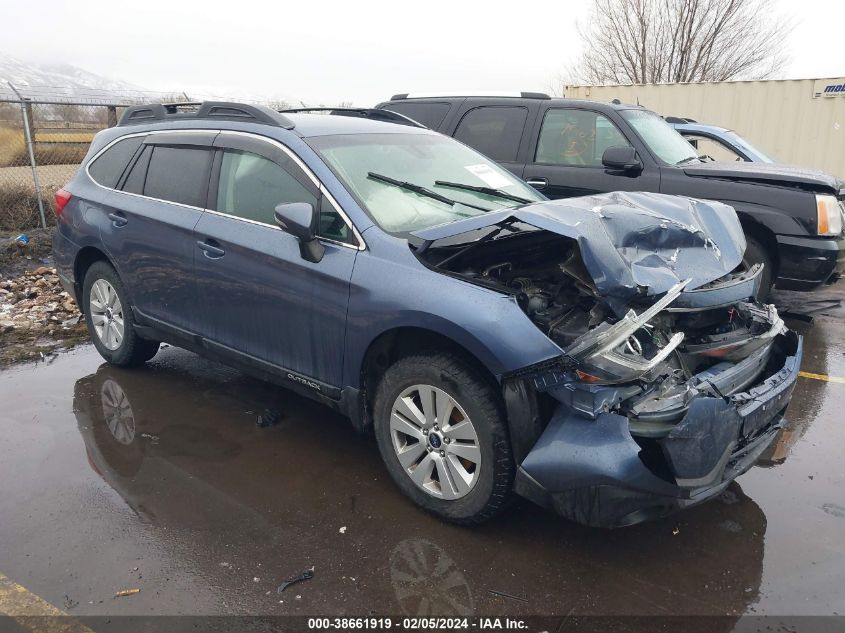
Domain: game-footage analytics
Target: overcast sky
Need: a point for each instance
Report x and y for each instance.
(325, 51)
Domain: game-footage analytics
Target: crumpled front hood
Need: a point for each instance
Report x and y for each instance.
(766, 172)
(632, 243)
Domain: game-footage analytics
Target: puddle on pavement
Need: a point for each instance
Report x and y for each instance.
(239, 508)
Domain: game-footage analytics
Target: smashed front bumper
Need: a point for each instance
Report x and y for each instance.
(589, 467)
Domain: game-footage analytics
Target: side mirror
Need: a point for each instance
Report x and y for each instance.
(622, 158)
(299, 219)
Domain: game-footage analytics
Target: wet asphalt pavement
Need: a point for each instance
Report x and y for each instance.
(160, 479)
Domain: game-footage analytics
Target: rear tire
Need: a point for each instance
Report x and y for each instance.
(109, 318)
(448, 427)
(756, 253)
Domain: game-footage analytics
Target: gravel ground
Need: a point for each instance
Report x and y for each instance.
(37, 317)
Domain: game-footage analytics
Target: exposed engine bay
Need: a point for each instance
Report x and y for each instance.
(657, 355)
(671, 378)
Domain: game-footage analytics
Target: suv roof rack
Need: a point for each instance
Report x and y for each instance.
(435, 95)
(367, 113)
(219, 110)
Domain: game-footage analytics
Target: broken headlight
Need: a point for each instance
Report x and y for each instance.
(626, 362)
(614, 353)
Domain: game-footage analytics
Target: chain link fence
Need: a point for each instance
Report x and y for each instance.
(42, 144)
(44, 135)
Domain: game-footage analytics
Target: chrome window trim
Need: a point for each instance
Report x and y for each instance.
(360, 246)
(275, 227)
(138, 195)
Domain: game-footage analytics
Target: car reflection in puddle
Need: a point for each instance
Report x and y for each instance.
(807, 399)
(117, 412)
(182, 450)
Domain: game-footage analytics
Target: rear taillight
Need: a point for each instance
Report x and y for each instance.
(62, 198)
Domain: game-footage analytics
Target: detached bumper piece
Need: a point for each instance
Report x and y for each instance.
(591, 467)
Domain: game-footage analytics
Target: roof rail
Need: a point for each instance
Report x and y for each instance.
(677, 119)
(367, 113)
(215, 110)
(435, 95)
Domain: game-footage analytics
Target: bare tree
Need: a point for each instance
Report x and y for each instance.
(656, 41)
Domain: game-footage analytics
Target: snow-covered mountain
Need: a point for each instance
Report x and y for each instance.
(68, 83)
(64, 82)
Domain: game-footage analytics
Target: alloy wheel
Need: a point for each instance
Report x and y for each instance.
(106, 314)
(435, 442)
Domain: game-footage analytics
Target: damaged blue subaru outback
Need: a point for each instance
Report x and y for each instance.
(604, 357)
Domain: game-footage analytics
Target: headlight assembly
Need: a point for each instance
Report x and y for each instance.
(829, 212)
(610, 353)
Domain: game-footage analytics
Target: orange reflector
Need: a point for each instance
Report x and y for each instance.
(585, 377)
(718, 352)
(821, 208)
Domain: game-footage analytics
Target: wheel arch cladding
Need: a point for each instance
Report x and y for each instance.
(400, 342)
(84, 259)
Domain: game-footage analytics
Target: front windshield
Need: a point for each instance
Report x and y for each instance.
(748, 148)
(662, 139)
(367, 163)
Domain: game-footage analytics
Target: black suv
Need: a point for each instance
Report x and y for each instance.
(792, 217)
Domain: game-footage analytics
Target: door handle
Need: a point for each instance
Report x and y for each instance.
(537, 183)
(118, 219)
(211, 250)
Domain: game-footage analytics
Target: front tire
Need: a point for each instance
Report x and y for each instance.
(442, 434)
(756, 253)
(109, 318)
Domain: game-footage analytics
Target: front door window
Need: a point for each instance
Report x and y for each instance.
(576, 138)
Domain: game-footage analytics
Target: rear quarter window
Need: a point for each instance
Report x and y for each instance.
(430, 115)
(178, 174)
(108, 166)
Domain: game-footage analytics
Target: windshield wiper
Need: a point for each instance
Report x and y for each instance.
(490, 191)
(506, 224)
(684, 161)
(402, 184)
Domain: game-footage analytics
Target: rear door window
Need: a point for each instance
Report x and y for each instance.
(430, 115)
(576, 138)
(493, 130)
(109, 166)
(178, 174)
(251, 186)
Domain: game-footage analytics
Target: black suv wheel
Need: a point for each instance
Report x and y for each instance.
(756, 253)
